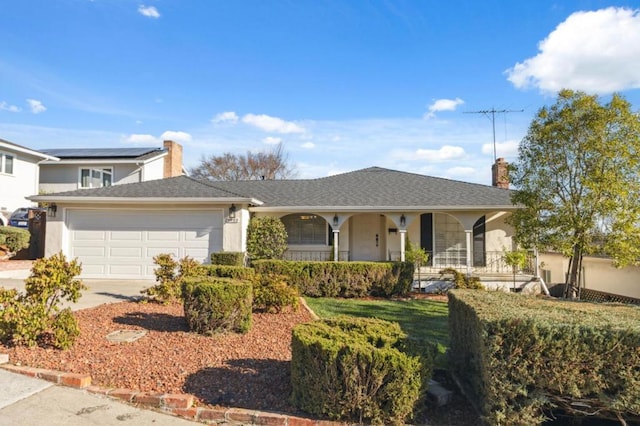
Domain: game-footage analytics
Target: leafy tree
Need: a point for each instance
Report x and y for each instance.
(577, 181)
(266, 238)
(273, 164)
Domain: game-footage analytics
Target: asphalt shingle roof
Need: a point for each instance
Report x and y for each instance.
(371, 187)
(170, 188)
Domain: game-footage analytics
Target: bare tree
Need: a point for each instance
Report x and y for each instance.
(272, 164)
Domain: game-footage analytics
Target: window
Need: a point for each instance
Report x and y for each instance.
(6, 163)
(479, 243)
(95, 178)
(307, 229)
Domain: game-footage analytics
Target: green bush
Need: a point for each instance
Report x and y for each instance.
(342, 279)
(231, 258)
(224, 271)
(266, 238)
(463, 281)
(217, 305)
(15, 239)
(169, 275)
(35, 315)
(271, 293)
(520, 357)
(352, 369)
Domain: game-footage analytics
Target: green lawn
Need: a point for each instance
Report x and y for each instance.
(418, 318)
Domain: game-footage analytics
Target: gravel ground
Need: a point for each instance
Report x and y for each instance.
(244, 371)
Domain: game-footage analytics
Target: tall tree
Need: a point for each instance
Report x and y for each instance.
(272, 164)
(577, 179)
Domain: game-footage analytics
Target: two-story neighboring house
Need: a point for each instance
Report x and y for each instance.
(82, 168)
(19, 176)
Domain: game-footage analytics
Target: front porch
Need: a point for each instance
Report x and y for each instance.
(494, 263)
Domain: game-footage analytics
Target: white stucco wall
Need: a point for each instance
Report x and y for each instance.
(153, 170)
(22, 183)
(599, 274)
(498, 234)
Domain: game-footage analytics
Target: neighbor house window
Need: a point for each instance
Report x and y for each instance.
(95, 178)
(305, 229)
(6, 163)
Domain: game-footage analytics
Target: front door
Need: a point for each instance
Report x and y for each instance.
(367, 239)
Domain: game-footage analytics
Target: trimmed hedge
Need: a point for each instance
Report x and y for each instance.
(15, 239)
(342, 279)
(227, 271)
(518, 356)
(215, 305)
(231, 258)
(354, 369)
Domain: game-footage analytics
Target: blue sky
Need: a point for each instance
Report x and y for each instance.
(342, 84)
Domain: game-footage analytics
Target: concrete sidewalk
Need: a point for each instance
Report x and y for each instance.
(26, 401)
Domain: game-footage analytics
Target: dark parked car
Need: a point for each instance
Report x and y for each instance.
(20, 218)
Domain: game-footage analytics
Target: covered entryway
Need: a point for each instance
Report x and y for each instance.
(112, 243)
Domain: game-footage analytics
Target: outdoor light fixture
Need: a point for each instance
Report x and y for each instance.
(51, 210)
(403, 220)
(335, 220)
(232, 211)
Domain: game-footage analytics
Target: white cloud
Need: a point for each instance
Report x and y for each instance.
(36, 106)
(270, 140)
(507, 149)
(7, 107)
(148, 11)
(460, 172)
(171, 135)
(308, 145)
(446, 153)
(225, 117)
(443, 105)
(138, 139)
(596, 51)
(272, 124)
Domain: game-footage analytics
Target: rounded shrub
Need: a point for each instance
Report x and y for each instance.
(353, 369)
(216, 305)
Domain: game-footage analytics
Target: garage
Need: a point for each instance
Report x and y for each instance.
(118, 243)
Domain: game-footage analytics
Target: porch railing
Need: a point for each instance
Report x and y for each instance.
(494, 262)
(315, 255)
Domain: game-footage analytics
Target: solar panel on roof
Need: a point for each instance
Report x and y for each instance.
(99, 152)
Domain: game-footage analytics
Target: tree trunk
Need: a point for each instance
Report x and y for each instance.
(571, 284)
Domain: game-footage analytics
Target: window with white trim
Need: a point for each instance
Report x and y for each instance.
(6, 163)
(306, 228)
(95, 177)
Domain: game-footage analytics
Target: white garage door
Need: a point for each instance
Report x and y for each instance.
(122, 243)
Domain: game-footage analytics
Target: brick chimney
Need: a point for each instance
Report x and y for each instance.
(500, 174)
(173, 160)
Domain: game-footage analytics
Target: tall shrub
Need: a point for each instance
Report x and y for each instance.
(266, 238)
(14, 239)
(26, 319)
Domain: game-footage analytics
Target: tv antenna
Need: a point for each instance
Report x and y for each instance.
(492, 117)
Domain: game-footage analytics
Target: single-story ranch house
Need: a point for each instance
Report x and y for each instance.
(367, 214)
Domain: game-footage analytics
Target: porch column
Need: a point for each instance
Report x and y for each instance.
(336, 245)
(469, 234)
(403, 233)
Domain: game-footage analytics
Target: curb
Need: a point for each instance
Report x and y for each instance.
(180, 405)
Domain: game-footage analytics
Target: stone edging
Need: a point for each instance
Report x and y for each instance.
(176, 404)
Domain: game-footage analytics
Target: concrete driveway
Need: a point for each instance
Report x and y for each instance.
(98, 291)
